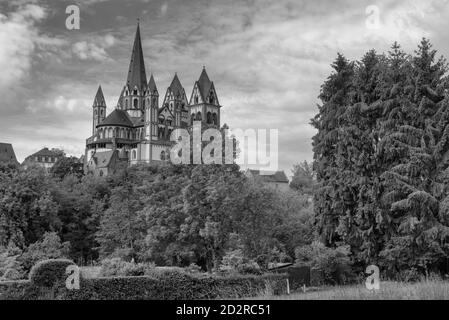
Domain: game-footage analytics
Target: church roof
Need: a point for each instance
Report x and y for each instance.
(117, 118)
(99, 98)
(103, 159)
(7, 153)
(204, 84)
(136, 74)
(152, 84)
(176, 86)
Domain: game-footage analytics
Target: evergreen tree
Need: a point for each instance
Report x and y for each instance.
(335, 96)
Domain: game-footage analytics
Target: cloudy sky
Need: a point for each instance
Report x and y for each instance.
(266, 58)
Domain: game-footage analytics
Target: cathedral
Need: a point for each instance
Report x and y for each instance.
(139, 128)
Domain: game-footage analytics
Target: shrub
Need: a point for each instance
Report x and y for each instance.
(193, 268)
(333, 264)
(10, 268)
(19, 290)
(165, 284)
(235, 262)
(409, 275)
(117, 267)
(50, 247)
(174, 285)
(12, 274)
(49, 273)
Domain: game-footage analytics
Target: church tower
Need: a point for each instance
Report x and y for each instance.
(98, 110)
(176, 102)
(132, 98)
(204, 105)
(151, 110)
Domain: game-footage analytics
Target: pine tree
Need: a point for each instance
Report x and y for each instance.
(335, 96)
(381, 159)
(411, 192)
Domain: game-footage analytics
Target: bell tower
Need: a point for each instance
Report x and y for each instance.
(204, 105)
(132, 98)
(151, 110)
(98, 110)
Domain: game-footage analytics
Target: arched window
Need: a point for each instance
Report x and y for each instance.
(215, 119)
(211, 97)
(198, 116)
(122, 133)
(135, 92)
(163, 155)
(95, 111)
(135, 102)
(134, 155)
(196, 99)
(110, 133)
(101, 112)
(143, 103)
(192, 118)
(209, 117)
(160, 132)
(126, 103)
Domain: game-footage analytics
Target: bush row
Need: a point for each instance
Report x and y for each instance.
(170, 285)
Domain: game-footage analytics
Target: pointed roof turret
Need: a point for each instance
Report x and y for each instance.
(136, 74)
(204, 84)
(99, 98)
(176, 86)
(152, 85)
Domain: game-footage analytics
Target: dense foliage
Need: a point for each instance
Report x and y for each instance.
(381, 159)
(171, 215)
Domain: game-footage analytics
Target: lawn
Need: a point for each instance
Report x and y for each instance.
(424, 290)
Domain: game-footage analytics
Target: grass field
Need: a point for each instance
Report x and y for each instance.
(424, 290)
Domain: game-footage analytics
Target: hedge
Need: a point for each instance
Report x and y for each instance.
(47, 272)
(164, 286)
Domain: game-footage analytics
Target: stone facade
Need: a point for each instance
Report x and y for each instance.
(138, 129)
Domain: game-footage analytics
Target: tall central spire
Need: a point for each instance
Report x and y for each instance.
(136, 74)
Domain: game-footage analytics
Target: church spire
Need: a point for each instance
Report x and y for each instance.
(204, 84)
(99, 98)
(152, 85)
(136, 74)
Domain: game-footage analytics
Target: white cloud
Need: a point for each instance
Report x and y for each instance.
(18, 38)
(164, 9)
(94, 48)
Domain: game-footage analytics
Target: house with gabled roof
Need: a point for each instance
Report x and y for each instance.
(278, 180)
(45, 158)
